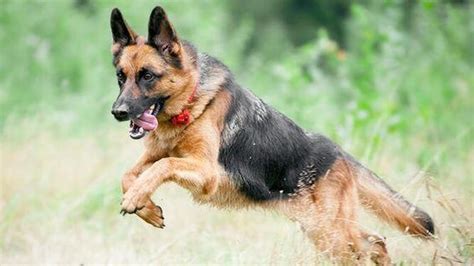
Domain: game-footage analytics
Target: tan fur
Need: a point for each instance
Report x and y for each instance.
(179, 83)
(185, 155)
(150, 213)
(388, 206)
(327, 213)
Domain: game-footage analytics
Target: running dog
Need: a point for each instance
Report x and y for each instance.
(206, 133)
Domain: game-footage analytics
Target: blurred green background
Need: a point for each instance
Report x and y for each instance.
(391, 81)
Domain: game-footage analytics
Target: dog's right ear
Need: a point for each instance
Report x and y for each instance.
(162, 35)
(122, 34)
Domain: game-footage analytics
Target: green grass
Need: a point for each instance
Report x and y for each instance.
(399, 99)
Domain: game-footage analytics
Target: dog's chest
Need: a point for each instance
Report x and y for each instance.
(162, 144)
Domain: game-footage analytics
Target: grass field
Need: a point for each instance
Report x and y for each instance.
(60, 204)
(401, 100)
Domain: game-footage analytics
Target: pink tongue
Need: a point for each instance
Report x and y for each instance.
(147, 121)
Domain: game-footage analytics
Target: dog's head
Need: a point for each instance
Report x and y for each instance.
(152, 73)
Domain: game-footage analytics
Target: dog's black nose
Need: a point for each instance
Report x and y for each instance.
(120, 113)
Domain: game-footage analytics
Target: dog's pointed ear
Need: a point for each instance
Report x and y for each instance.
(122, 34)
(162, 35)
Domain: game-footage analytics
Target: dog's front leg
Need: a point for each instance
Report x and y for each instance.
(150, 213)
(193, 174)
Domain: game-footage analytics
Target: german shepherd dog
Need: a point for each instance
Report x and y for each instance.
(206, 133)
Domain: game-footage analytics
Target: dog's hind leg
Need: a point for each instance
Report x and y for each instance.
(150, 213)
(374, 248)
(327, 212)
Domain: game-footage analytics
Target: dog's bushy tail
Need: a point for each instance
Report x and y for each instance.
(387, 204)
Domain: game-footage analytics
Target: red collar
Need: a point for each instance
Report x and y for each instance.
(183, 118)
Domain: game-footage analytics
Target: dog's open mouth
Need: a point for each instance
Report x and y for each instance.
(145, 122)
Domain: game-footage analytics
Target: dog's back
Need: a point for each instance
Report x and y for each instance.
(269, 157)
(265, 152)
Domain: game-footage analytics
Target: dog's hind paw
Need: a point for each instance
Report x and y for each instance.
(152, 214)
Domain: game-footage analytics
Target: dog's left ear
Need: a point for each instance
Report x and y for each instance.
(122, 34)
(162, 35)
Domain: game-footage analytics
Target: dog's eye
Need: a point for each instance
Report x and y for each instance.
(120, 77)
(147, 76)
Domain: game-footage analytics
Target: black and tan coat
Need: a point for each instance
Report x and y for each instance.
(237, 151)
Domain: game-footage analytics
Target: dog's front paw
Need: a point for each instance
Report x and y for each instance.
(152, 214)
(134, 200)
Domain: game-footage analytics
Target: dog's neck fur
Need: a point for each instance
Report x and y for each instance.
(211, 79)
(205, 78)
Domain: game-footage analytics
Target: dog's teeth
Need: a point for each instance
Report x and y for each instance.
(141, 130)
(138, 116)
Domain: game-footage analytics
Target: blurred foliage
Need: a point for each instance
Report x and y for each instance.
(398, 71)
